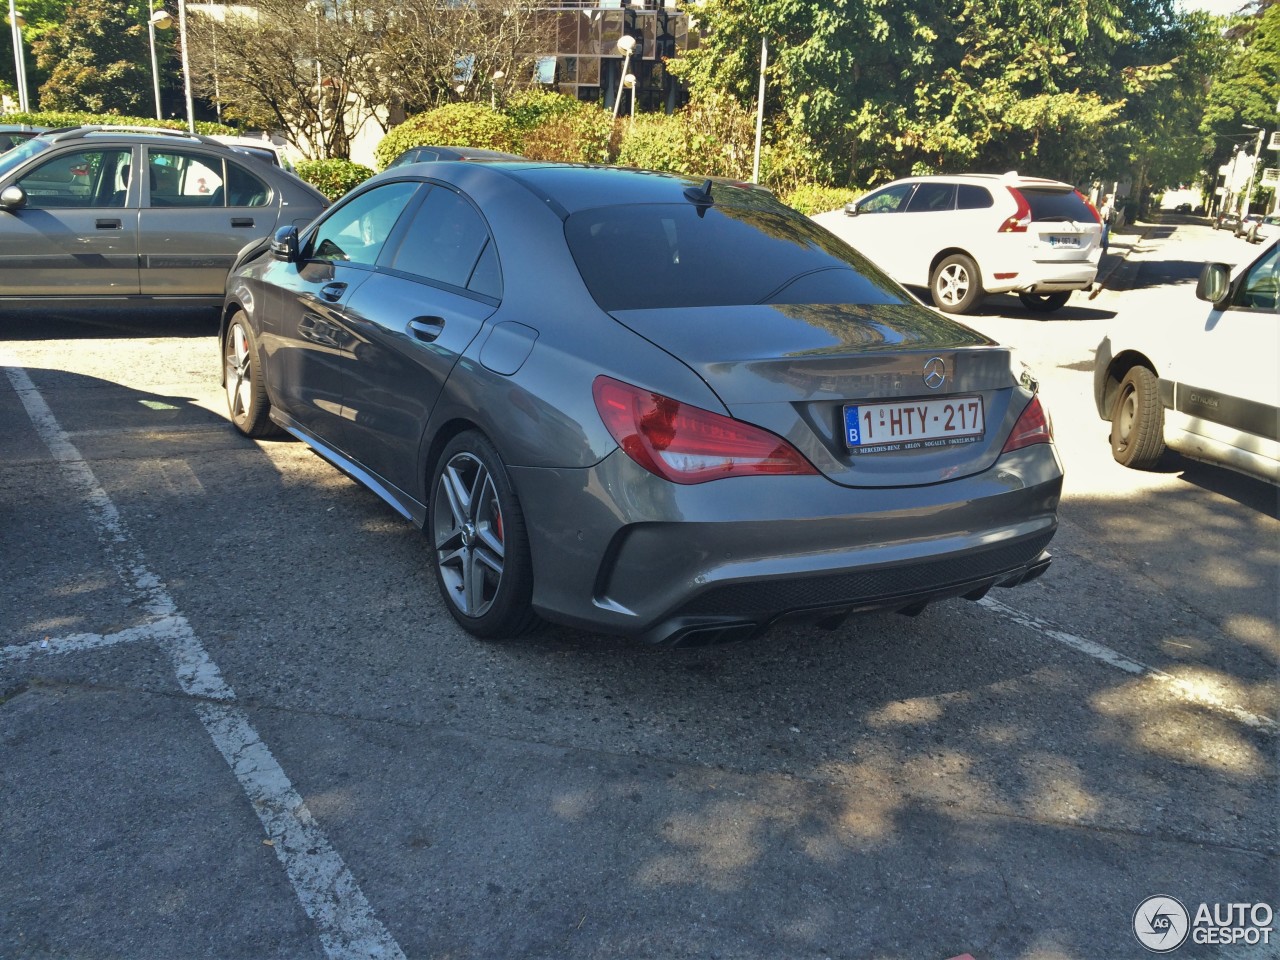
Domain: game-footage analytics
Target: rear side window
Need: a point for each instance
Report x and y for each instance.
(444, 243)
(932, 198)
(1060, 205)
(973, 197)
(662, 256)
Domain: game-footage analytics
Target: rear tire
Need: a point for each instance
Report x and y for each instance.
(1045, 302)
(1137, 420)
(479, 542)
(956, 284)
(247, 402)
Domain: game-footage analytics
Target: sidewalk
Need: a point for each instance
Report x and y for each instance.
(1114, 269)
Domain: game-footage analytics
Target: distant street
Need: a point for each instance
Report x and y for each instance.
(236, 722)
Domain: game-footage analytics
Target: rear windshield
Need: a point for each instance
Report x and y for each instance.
(660, 256)
(1057, 205)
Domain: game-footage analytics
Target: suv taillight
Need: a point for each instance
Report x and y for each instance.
(1021, 218)
(1032, 427)
(686, 444)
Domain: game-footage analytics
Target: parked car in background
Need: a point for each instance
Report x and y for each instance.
(257, 147)
(12, 134)
(76, 224)
(1228, 220)
(639, 403)
(430, 154)
(1200, 380)
(966, 236)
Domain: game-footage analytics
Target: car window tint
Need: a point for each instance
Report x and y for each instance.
(86, 178)
(1059, 205)
(179, 179)
(1260, 287)
(486, 278)
(933, 197)
(243, 189)
(646, 256)
(973, 197)
(356, 231)
(444, 240)
(888, 200)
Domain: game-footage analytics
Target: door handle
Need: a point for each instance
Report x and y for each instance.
(427, 329)
(242, 221)
(105, 224)
(333, 291)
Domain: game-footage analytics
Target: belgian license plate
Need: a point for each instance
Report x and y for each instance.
(1064, 241)
(882, 426)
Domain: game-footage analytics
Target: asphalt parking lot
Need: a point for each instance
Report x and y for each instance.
(235, 720)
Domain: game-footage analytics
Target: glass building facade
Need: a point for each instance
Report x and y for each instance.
(587, 63)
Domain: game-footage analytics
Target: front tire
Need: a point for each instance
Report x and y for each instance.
(481, 548)
(1137, 420)
(247, 402)
(1045, 302)
(955, 284)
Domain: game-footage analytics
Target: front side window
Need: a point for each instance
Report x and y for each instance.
(356, 231)
(86, 178)
(1260, 287)
(888, 200)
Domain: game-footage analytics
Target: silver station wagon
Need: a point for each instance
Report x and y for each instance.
(76, 223)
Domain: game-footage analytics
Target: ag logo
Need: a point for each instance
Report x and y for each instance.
(1161, 924)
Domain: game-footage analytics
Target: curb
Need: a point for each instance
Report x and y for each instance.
(1122, 260)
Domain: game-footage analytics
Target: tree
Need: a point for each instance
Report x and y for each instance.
(97, 59)
(320, 70)
(875, 90)
(1246, 89)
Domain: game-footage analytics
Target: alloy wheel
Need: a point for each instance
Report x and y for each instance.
(468, 534)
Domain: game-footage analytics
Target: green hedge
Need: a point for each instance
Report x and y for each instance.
(811, 198)
(453, 125)
(333, 177)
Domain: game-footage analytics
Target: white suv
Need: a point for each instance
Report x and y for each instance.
(969, 235)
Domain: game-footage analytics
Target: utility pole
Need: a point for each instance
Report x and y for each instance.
(1257, 158)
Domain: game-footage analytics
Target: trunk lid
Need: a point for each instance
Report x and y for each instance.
(795, 368)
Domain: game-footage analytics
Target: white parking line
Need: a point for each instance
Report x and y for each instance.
(1179, 687)
(325, 887)
(80, 642)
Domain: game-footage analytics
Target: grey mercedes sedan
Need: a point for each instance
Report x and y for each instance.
(641, 404)
(76, 224)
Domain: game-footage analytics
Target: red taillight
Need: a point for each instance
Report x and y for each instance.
(1021, 218)
(1032, 427)
(1092, 209)
(686, 444)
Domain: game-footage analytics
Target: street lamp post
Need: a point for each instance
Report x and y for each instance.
(16, 23)
(627, 44)
(154, 21)
(163, 21)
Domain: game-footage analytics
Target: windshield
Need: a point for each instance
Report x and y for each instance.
(657, 256)
(10, 159)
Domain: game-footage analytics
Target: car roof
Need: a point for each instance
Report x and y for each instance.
(1011, 179)
(571, 187)
(130, 134)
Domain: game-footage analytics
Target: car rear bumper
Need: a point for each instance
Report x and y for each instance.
(634, 555)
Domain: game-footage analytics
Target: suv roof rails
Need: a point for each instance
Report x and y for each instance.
(71, 133)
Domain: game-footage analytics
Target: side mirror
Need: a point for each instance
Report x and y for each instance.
(13, 197)
(851, 209)
(1214, 285)
(284, 245)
